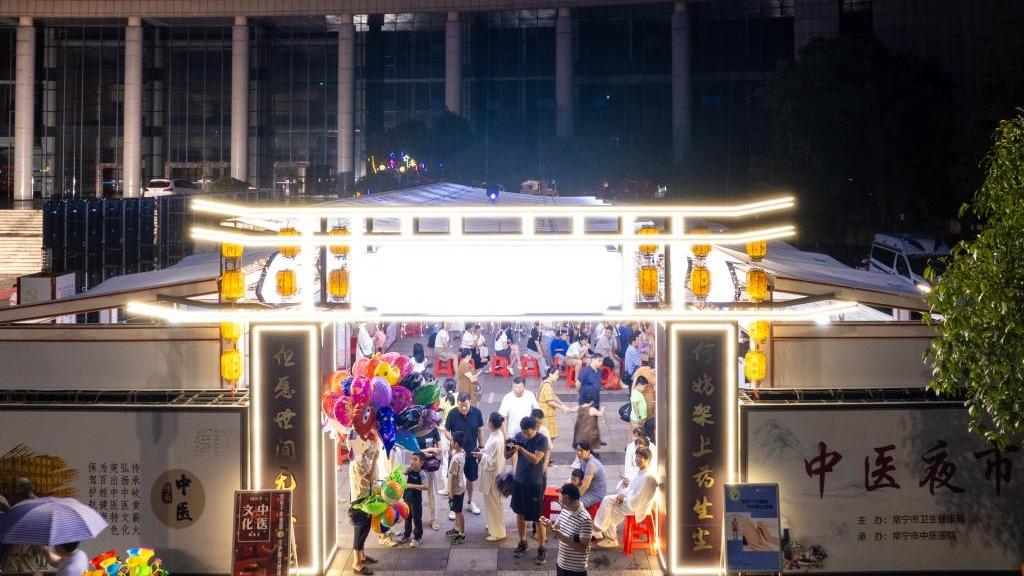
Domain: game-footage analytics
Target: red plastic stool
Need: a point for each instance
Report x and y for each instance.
(570, 376)
(444, 367)
(638, 535)
(529, 366)
(499, 366)
(550, 501)
(592, 510)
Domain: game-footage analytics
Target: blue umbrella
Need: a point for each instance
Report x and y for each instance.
(50, 521)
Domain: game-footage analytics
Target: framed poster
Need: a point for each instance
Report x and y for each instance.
(261, 542)
(753, 534)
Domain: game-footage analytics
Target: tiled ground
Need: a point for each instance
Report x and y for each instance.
(478, 556)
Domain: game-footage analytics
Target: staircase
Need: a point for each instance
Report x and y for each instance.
(21, 244)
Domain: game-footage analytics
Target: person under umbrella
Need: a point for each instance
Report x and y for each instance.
(57, 522)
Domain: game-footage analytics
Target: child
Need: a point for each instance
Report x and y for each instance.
(414, 487)
(448, 401)
(576, 478)
(457, 488)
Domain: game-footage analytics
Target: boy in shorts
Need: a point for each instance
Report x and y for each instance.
(457, 488)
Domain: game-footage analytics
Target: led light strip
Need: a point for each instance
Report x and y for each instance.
(484, 239)
(495, 211)
(284, 315)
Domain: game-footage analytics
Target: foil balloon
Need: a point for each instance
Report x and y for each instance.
(404, 365)
(427, 394)
(386, 428)
(346, 386)
(98, 560)
(342, 412)
(361, 367)
(409, 418)
(364, 418)
(403, 508)
(380, 392)
(388, 372)
(335, 379)
(401, 398)
(390, 357)
(407, 440)
(327, 402)
(412, 381)
(375, 524)
(371, 365)
(360, 390)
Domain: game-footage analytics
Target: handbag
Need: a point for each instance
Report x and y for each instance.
(625, 411)
(504, 484)
(432, 464)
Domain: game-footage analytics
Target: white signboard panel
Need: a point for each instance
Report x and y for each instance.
(163, 478)
(882, 488)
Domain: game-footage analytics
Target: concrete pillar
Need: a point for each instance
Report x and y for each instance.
(453, 64)
(346, 103)
(814, 19)
(682, 127)
(240, 99)
(24, 108)
(132, 159)
(563, 75)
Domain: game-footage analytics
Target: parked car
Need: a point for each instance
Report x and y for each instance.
(907, 256)
(165, 187)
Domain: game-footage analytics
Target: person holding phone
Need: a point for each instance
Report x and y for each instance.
(572, 529)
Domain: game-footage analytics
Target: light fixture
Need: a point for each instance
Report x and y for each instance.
(229, 250)
(339, 249)
(232, 285)
(290, 250)
(231, 330)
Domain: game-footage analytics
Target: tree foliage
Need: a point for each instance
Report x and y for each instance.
(980, 297)
(863, 132)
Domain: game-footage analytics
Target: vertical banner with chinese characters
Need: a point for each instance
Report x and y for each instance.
(702, 398)
(286, 429)
(262, 536)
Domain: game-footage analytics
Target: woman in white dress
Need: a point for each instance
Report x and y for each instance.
(492, 461)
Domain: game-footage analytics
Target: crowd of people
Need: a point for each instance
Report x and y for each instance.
(476, 461)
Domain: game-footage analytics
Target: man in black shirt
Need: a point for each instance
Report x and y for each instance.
(469, 420)
(534, 347)
(531, 448)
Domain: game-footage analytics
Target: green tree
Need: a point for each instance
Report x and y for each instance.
(863, 134)
(979, 353)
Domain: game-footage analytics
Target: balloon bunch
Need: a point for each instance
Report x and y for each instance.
(383, 396)
(137, 562)
(385, 506)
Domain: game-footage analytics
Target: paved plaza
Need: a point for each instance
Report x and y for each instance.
(477, 556)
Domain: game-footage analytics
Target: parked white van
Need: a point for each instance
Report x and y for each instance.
(907, 256)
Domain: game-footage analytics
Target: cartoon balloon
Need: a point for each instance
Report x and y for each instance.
(346, 386)
(380, 392)
(327, 404)
(334, 380)
(342, 412)
(404, 365)
(364, 419)
(427, 394)
(390, 357)
(361, 367)
(409, 418)
(360, 390)
(388, 372)
(386, 428)
(412, 381)
(401, 399)
(371, 365)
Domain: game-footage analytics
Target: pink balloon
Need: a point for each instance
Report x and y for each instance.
(343, 412)
(401, 398)
(390, 357)
(361, 367)
(404, 365)
(360, 390)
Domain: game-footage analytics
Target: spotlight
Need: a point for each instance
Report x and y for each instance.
(492, 194)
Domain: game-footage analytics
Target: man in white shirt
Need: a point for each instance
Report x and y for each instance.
(516, 405)
(441, 340)
(364, 342)
(637, 499)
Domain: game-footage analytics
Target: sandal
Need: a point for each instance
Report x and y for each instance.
(364, 570)
(369, 560)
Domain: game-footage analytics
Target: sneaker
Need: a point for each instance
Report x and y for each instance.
(385, 540)
(520, 549)
(451, 515)
(494, 538)
(443, 492)
(542, 557)
(474, 508)
(396, 541)
(414, 544)
(608, 543)
(450, 533)
(458, 538)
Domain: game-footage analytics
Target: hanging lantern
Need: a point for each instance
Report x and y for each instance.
(232, 285)
(230, 330)
(700, 250)
(289, 251)
(231, 251)
(757, 250)
(339, 250)
(286, 283)
(758, 331)
(700, 281)
(647, 280)
(337, 283)
(648, 249)
(231, 365)
(755, 365)
(757, 285)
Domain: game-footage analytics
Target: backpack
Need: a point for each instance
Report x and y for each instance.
(625, 411)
